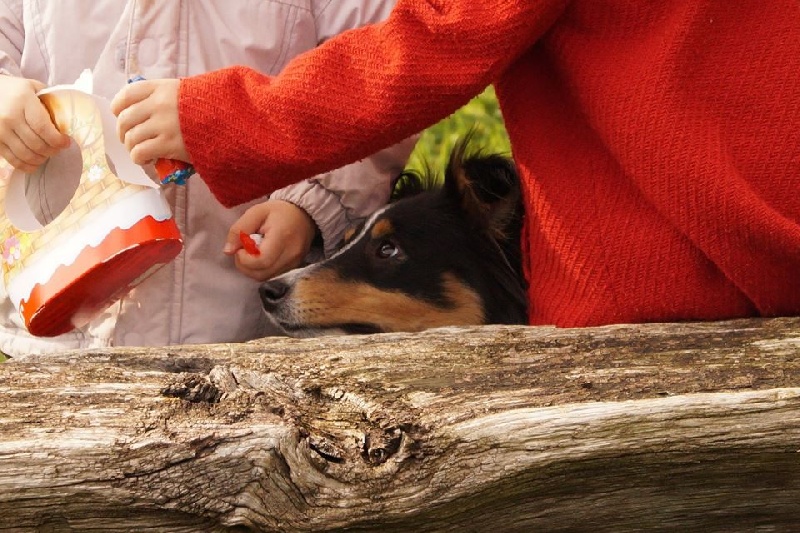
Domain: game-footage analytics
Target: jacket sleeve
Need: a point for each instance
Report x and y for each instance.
(341, 198)
(358, 92)
(336, 16)
(12, 37)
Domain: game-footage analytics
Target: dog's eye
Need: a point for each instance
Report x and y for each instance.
(387, 250)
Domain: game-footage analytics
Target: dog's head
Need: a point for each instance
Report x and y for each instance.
(442, 257)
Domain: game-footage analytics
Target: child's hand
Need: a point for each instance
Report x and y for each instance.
(27, 134)
(147, 120)
(288, 233)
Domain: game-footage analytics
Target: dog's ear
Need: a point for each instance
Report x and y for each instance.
(413, 182)
(486, 187)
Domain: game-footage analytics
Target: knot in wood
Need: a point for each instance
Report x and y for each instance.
(195, 388)
(379, 447)
(326, 449)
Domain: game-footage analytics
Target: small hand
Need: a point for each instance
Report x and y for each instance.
(147, 120)
(28, 136)
(287, 232)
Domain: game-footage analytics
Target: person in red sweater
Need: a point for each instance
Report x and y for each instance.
(658, 143)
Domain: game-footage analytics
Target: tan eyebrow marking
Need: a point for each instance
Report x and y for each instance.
(382, 228)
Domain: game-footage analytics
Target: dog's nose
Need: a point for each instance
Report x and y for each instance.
(272, 292)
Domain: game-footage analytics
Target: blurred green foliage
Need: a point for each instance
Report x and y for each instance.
(481, 116)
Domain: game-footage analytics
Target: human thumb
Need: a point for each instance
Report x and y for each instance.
(250, 222)
(232, 241)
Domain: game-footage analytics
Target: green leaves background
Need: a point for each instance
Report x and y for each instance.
(481, 116)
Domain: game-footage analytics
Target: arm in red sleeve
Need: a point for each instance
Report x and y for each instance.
(359, 92)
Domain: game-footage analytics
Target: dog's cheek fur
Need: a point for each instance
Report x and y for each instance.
(328, 300)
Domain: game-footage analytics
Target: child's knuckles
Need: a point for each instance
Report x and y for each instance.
(136, 154)
(38, 147)
(8, 120)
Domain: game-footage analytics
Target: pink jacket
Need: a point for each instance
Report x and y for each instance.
(200, 297)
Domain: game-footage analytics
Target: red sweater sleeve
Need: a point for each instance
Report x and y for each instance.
(359, 92)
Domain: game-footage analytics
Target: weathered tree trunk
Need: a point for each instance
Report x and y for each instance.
(675, 427)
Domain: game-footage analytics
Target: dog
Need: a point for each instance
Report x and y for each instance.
(447, 255)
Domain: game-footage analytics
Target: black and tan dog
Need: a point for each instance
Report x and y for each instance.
(440, 257)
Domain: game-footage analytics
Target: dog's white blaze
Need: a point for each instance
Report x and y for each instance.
(289, 312)
(364, 230)
(293, 275)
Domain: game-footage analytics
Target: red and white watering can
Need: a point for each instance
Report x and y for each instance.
(116, 230)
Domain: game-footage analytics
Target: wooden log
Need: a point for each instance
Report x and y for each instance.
(666, 427)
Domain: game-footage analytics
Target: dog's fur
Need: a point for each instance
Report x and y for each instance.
(448, 256)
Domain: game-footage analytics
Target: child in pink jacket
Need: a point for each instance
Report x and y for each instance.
(200, 297)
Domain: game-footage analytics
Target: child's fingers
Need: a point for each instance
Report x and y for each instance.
(131, 94)
(7, 154)
(259, 268)
(272, 246)
(279, 254)
(31, 147)
(16, 152)
(232, 244)
(42, 136)
(131, 118)
(36, 85)
(27, 135)
(22, 146)
(271, 261)
(250, 222)
(147, 151)
(138, 134)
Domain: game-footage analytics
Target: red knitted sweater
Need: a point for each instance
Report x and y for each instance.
(658, 142)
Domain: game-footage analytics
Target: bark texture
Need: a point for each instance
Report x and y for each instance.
(659, 427)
